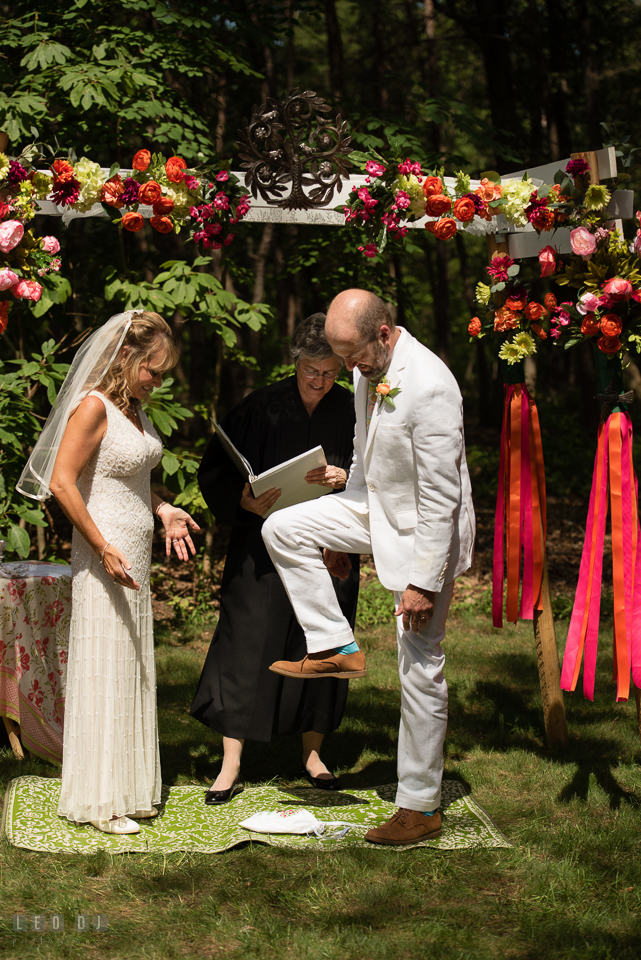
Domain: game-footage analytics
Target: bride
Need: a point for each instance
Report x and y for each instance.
(95, 455)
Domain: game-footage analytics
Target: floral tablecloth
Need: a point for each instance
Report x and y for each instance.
(35, 610)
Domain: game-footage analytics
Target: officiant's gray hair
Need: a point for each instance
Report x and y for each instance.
(309, 341)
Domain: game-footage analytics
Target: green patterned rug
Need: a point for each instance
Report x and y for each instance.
(185, 823)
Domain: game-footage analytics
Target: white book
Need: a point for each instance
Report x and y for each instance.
(288, 477)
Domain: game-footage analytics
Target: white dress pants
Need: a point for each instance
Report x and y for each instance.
(294, 538)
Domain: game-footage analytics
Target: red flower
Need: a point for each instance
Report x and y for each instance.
(174, 169)
(499, 266)
(547, 260)
(534, 311)
(609, 344)
(150, 192)
(4, 315)
(611, 325)
(474, 327)
(162, 224)
(133, 222)
(437, 204)
(516, 302)
(550, 302)
(163, 206)
(539, 331)
(590, 325)
(62, 171)
(464, 209)
(432, 186)
(141, 160)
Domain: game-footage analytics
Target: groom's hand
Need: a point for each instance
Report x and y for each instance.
(337, 563)
(416, 608)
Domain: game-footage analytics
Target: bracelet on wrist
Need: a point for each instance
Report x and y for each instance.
(102, 555)
(163, 503)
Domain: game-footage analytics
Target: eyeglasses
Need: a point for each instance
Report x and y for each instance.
(314, 374)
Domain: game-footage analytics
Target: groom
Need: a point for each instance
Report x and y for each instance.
(408, 501)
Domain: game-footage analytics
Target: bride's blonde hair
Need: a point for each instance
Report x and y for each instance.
(147, 336)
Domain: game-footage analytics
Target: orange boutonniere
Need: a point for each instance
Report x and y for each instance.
(386, 392)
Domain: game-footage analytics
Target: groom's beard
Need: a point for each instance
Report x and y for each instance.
(379, 364)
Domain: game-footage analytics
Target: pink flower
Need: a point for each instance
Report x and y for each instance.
(499, 267)
(27, 289)
(192, 183)
(588, 303)
(583, 242)
(222, 176)
(369, 250)
(402, 200)
(220, 201)
(618, 289)
(7, 278)
(637, 243)
(555, 333)
(50, 245)
(407, 167)
(547, 260)
(604, 302)
(11, 233)
(375, 169)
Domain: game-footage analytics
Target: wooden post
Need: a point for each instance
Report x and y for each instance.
(556, 729)
(591, 159)
(12, 732)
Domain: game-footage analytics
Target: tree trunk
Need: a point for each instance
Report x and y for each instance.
(260, 266)
(334, 51)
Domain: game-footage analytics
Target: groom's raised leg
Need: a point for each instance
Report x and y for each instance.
(295, 538)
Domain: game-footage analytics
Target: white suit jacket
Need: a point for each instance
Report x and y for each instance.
(409, 471)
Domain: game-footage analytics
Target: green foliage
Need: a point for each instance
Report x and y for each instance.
(197, 294)
(375, 605)
(19, 426)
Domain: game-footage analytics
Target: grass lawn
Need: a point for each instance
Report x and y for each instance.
(570, 887)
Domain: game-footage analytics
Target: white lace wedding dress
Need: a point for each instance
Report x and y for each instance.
(111, 764)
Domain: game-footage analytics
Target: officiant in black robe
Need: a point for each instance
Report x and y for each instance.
(237, 694)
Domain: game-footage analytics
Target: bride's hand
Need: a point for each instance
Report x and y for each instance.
(117, 566)
(177, 524)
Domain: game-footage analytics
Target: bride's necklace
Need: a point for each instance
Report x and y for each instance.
(133, 416)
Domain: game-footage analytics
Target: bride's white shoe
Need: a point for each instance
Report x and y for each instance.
(121, 825)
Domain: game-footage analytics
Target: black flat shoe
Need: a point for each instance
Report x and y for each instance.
(224, 796)
(321, 783)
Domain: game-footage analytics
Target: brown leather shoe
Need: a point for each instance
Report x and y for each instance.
(329, 663)
(406, 826)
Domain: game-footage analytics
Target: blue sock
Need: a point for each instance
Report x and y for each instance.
(429, 813)
(352, 647)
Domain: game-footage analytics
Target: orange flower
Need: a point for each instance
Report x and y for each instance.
(174, 169)
(444, 229)
(464, 209)
(437, 204)
(516, 303)
(488, 190)
(383, 389)
(474, 327)
(550, 302)
(534, 311)
(539, 331)
(590, 325)
(141, 160)
(150, 192)
(609, 344)
(611, 325)
(162, 224)
(505, 319)
(432, 186)
(62, 171)
(163, 206)
(133, 222)
(111, 192)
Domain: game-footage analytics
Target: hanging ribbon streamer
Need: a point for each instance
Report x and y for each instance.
(520, 519)
(613, 481)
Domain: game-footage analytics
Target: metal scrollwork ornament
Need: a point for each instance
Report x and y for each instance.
(287, 142)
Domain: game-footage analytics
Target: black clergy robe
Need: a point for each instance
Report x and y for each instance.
(237, 695)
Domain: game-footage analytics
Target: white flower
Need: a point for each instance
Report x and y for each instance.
(517, 194)
(89, 176)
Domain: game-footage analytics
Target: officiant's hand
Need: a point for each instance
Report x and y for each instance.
(258, 505)
(337, 563)
(329, 476)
